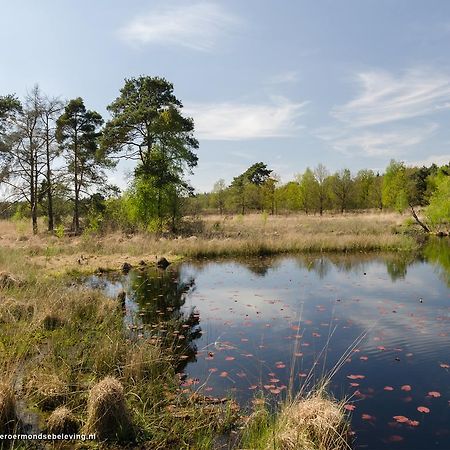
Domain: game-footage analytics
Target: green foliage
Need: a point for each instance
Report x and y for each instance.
(77, 134)
(394, 186)
(59, 231)
(438, 211)
(147, 125)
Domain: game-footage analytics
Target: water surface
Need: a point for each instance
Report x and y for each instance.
(270, 324)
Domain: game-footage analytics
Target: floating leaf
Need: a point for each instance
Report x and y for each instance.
(356, 377)
(395, 438)
(406, 387)
(388, 388)
(434, 394)
(423, 409)
(401, 419)
(350, 407)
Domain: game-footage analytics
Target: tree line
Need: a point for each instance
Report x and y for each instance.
(54, 156)
(317, 190)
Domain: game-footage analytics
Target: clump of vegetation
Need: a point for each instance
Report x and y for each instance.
(314, 422)
(8, 416)
(62, 421)
(107, 414)
(47, 389)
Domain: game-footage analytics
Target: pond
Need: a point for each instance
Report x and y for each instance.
(280, 324)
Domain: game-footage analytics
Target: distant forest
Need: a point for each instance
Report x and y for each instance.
(53, 157)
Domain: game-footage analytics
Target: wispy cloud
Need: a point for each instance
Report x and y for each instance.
(197, 26)
(386, 98)
(289, 76)
(439, 160)
(374, 143)
(240, 121)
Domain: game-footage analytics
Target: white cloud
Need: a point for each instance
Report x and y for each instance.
(289, 76)
(239, 121)
(386, 98)
(439, 160)
(196, 26)
(373, 143)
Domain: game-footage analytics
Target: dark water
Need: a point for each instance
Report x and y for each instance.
(267, 324)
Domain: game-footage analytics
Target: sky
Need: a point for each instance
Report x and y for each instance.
(348, 83)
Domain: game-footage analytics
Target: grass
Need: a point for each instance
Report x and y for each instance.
(73, 364)
(216, 236)
(313, 422)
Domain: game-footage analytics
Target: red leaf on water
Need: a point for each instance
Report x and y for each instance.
(406, 388)
(275, 391)
(274, 380)
(445, 366)
(354, 384)
(434, 394)
(395, 438)
(401, 419)
(367, 417)
(363, 358)
(223, 374)
(280, 366)
(380, 347)
(388, 388)
(413, 423)
(230, 358)
(213, 369)
(423, 409)
(356, 377)
(349, 407)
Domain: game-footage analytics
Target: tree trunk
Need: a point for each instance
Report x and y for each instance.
(76, 210)
(49, 182)
(418, 220)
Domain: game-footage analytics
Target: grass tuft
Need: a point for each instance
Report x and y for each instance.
(62, 421)
(8, 416)
(108, 415)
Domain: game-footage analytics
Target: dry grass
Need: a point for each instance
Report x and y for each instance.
(47, 389)
(108, 416)
(8, 417)
(312, 422)
(146, 362)
(253, 234)
(62, 421)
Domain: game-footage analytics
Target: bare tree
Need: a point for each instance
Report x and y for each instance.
(50, 108)
(321, 174)
(21, 157)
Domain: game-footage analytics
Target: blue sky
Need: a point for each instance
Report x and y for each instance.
(349, 83)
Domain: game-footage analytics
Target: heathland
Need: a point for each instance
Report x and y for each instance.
(69, 363)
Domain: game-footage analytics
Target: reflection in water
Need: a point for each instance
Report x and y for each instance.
(261, 314)
(160, 296)
(437, 252)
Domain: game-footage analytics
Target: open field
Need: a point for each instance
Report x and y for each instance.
(65, 353)
(215, 236)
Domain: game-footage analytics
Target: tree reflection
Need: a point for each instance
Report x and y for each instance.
(437, 252)
(161, 296)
